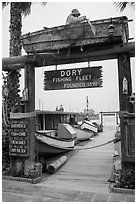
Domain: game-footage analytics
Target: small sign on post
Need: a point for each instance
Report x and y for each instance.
(88, 77)
(18, 139)
(22, 141)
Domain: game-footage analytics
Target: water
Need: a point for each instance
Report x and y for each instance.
(109, 120)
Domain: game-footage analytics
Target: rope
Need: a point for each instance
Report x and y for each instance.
(84, 148)
(4, 112)
(6, 107)
(4, 117)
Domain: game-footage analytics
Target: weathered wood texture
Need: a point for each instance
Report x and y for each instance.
(124, 70)
(90, 54)
(127, 122)
(30, 107)
(30, 85)
(128, 137)
(73, 35)
(20, 164)
(54, 166)
(86, 170)
(30, 162)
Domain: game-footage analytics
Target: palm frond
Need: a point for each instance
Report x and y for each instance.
(4, 4)
(26, 8)
(44, 3)
(122, 5)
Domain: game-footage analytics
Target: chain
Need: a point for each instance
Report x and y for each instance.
(92, 147)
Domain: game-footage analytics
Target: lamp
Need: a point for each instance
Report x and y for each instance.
(111, 30)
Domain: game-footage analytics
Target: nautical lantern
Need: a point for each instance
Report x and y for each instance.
(111, 30)
(5, 91)
(25, 94)
(81, 49)
(125, 85)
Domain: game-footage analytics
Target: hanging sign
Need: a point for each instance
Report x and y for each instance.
(88, 77)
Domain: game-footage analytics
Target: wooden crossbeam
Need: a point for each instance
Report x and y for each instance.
(75, 56)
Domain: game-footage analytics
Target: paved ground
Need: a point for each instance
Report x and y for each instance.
(84, 178)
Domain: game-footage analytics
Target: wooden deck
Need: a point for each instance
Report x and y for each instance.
(82, 179)
(86, 170)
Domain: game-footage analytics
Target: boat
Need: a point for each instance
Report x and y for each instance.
(51, 133)
(82, 135)
(51, 142)
(98, 125)
(87, 125)
(51, 146)
(65, 37)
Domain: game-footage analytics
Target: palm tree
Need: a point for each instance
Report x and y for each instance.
(122, 5)
(17, 10)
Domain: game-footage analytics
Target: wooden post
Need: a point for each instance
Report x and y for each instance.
(30, 85)
(101, 119)
(18, 165)
(124, 72)
(116, 118)
(43, 120)
(30, 107)
(125, 90)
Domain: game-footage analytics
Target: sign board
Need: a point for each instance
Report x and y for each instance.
(18, 138)
(88, 77)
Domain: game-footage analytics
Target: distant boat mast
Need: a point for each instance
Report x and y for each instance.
(87, 106)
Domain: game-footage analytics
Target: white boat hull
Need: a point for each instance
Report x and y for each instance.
(82, 135)
(49, 146)
(89, 126)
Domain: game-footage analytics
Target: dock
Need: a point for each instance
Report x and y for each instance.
(87, 170)
(84, 178)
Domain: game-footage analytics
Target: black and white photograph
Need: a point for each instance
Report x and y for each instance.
(68, 101)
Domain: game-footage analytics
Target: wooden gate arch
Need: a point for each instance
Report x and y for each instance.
(110, 42)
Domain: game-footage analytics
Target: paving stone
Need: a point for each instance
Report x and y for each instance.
(114, 197)
(100, 197)
(84, 197)
(130, 198)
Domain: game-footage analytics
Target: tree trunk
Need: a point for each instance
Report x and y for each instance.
(15, 50)
(13, 77)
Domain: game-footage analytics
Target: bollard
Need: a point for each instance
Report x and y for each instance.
(54, 166)
(33, 173)
(38, 166)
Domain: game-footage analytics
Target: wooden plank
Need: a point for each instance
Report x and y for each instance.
(86, 170)
(30, 107)
(30, 85)
(79, 34)
(125, 91)
(128, 136)
(85, 77)
(124, 70)
(22, 115)
(89, 54)
(15, 60)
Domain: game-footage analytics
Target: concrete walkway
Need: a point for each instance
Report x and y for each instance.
(84, 178)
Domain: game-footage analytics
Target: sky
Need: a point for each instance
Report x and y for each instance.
(53, 14)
